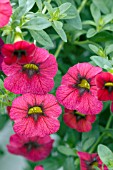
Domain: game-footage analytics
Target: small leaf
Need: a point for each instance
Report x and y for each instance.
(91, 32)
(28, 4)
(88, 143)
(73, 18)
(38, 23)
(42, 38)
(101, 62)
(19, 12)
(109, 49)
(107, 18)
(64, 7)
(94, 48)
(49, 8)
(101, 5)
(69, 164)
(105, 155)
(39, 4)
(95, 13)
(60, 31)
(66, 151)
(58, 24)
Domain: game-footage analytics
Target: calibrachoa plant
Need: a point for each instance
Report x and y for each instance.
(56, 84)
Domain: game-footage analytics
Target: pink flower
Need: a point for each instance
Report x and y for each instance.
(34, 77)
(35, 115)
(89, 161)
(39, 168)
(5, 12)
(34, 149)
(78, 89)
(1, 56)
(20, 52)
(104, 83)
(78, 121)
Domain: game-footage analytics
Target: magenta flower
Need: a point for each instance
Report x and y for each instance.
(5, 12)
(39, 168)
(20, 52)
(33, 149)
(78, 89)
(78, 121)
(34, 77)
(1, 56)
(104, 83)
(35, 115)
(89, 161)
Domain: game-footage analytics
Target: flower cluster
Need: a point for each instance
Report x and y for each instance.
(78, 94)
(30, 71)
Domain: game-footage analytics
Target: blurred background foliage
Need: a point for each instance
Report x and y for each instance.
(74, 31)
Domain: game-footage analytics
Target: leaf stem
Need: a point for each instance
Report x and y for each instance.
(44, 9)
(59, 48)
(109, 121)
(101, 136)
(82, 5)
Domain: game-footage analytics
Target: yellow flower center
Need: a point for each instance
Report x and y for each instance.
(108, 84)
(84, 84)
(35, 110)
(94, 164)
(30, 66)
(79, 114)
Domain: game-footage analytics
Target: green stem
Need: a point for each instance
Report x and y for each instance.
(101, 136)
(44, 9)
(109, 121)
(59, 48)
(96, 143)
(82, 5)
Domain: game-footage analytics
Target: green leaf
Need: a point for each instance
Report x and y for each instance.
(91, 32)
(105, 155)
(19, 12)
(95, 13)
(64, 7)
(69, 164)
(102, 37)
(109, 132)
(53, 163)
(66, 151)
(94, 48)
(3, 120)
(59, 30)
(101, 62)
(102, 5)
(107, 18)
(88, 143)
(49, 8)
(73, 18)
(38, 23)
(108, 27)
(58, 24)
(39, 4)
(109, 49)
(28, 4)
(42, 38)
